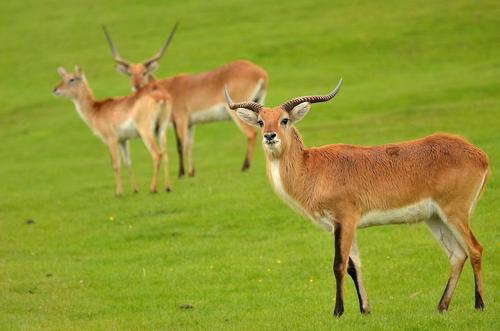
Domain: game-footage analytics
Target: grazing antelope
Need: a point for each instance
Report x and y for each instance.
(437, 179)
(116, 120)
(198, 98)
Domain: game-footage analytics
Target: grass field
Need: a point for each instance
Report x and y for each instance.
(222, 241)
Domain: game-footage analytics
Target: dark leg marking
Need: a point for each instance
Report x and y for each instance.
(351, 270)
(479, 303)
(445, 301)
(246, 164)
(337, 266)
(180, 151)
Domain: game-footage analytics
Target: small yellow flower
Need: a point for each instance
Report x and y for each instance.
(211, 267)
(311, 280)
(259, 280)
(111, 218)
(268, 269)
(278, 261)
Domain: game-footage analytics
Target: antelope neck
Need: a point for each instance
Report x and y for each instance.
(84, 104)
(289, 168)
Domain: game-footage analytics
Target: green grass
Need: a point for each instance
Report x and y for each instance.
(410, 68)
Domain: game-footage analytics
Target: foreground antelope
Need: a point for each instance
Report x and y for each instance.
(116, 120)
(198, 98)
(437, 179)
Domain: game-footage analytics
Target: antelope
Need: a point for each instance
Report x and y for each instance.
(198, 98)
(117, 120)
(437, 179)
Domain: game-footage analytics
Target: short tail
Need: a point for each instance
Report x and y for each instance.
(259, 92)
(485, 180)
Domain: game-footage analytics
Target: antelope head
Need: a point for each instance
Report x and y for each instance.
(139, 73)
(276, 123)
(71, 84)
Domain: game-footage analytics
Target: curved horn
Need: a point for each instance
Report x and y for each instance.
(158, 55)
(116, 56)
(289, 105)
(250, 105)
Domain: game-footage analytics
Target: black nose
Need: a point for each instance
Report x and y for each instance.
(54, 90)
(136, 87)
(270, 136)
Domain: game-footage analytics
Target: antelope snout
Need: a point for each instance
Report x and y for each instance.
(270, 137)
(55, 91)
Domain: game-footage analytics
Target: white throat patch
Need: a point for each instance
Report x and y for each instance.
(80, 112)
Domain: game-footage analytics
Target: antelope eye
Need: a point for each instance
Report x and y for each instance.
(260, 123)
(284, 121)
(71, 80)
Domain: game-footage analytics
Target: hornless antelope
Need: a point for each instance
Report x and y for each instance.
(437, 179)
(116, 120)
(198, 98)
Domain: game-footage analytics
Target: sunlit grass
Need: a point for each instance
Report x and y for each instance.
(221, 251)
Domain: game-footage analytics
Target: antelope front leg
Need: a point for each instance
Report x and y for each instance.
(124, 148)
(189, 149)
(115, 160)
(180, 128)
(163, 148)
(149, 141)
(344, 234)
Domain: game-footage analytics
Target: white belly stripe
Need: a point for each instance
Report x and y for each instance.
(127, 130)
(215, 113)
(417, 212)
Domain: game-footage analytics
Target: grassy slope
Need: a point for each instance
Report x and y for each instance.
(410, 69)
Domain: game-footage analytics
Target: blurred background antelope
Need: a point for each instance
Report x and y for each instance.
(144, 113)
(198, 98)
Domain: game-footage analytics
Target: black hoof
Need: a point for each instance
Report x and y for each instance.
(442, 308)
(338, 311)
(479, 305)
(366, 311)
(246, 166)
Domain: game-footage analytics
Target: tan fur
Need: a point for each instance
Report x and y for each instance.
(193, 93)
(343, 183)
(116, 120)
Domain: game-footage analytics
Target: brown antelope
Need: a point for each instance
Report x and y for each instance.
(437, 179)
(116, 120)
(198, 98)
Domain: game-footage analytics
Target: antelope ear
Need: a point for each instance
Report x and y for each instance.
(152, 66)
(122, 68)
(248, 116)
(61, 71)
(299, 111)
(79, 72)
